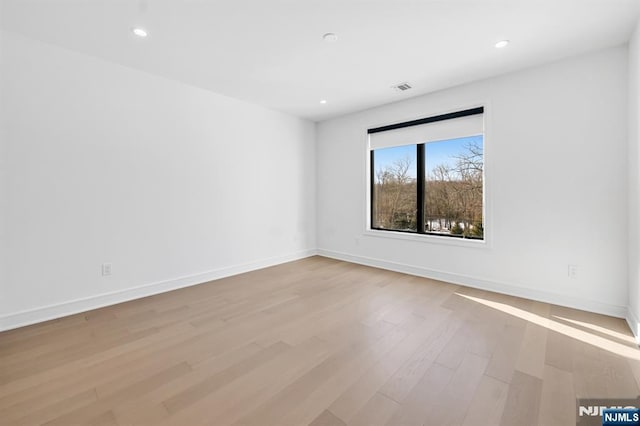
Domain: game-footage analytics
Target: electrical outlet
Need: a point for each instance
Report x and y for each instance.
(572, 271)
(106, 269)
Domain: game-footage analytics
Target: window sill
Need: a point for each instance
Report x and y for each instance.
(428, 238)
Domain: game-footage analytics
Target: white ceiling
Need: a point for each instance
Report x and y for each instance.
(271, 52)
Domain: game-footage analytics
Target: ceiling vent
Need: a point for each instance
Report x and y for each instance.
(401, 87)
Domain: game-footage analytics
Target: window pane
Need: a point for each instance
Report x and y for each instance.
(453, 187)
(395, 188)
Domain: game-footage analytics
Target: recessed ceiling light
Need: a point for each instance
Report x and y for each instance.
(323, 101)
(501, 44)
(330, 37)
(139, 32)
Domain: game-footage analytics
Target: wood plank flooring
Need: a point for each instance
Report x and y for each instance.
(316, 342)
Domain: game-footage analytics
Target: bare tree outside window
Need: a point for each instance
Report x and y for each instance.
(453, 188)
(396, 189)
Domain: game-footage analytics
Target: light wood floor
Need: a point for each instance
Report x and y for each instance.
(318, 342)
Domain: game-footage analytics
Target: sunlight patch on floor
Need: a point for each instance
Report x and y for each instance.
(599, 329)
(583, 336)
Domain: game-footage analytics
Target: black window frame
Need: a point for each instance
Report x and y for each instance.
(420, 170)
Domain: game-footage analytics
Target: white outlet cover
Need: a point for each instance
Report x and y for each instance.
(106, 269)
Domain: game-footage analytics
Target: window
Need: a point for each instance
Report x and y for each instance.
(427, 176)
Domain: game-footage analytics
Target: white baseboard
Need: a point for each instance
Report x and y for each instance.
(634, 324)
(484, 284)
(46, 313)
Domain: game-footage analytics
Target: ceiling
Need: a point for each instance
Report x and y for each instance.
(271, 52)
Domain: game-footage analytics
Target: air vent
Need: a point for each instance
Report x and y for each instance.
(401, 87)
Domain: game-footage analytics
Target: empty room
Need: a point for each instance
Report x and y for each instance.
(325, 213)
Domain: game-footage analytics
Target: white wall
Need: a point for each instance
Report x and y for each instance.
(634, 182)
(3, 176)
(175, 185)
(172, 184)
(556, 147)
